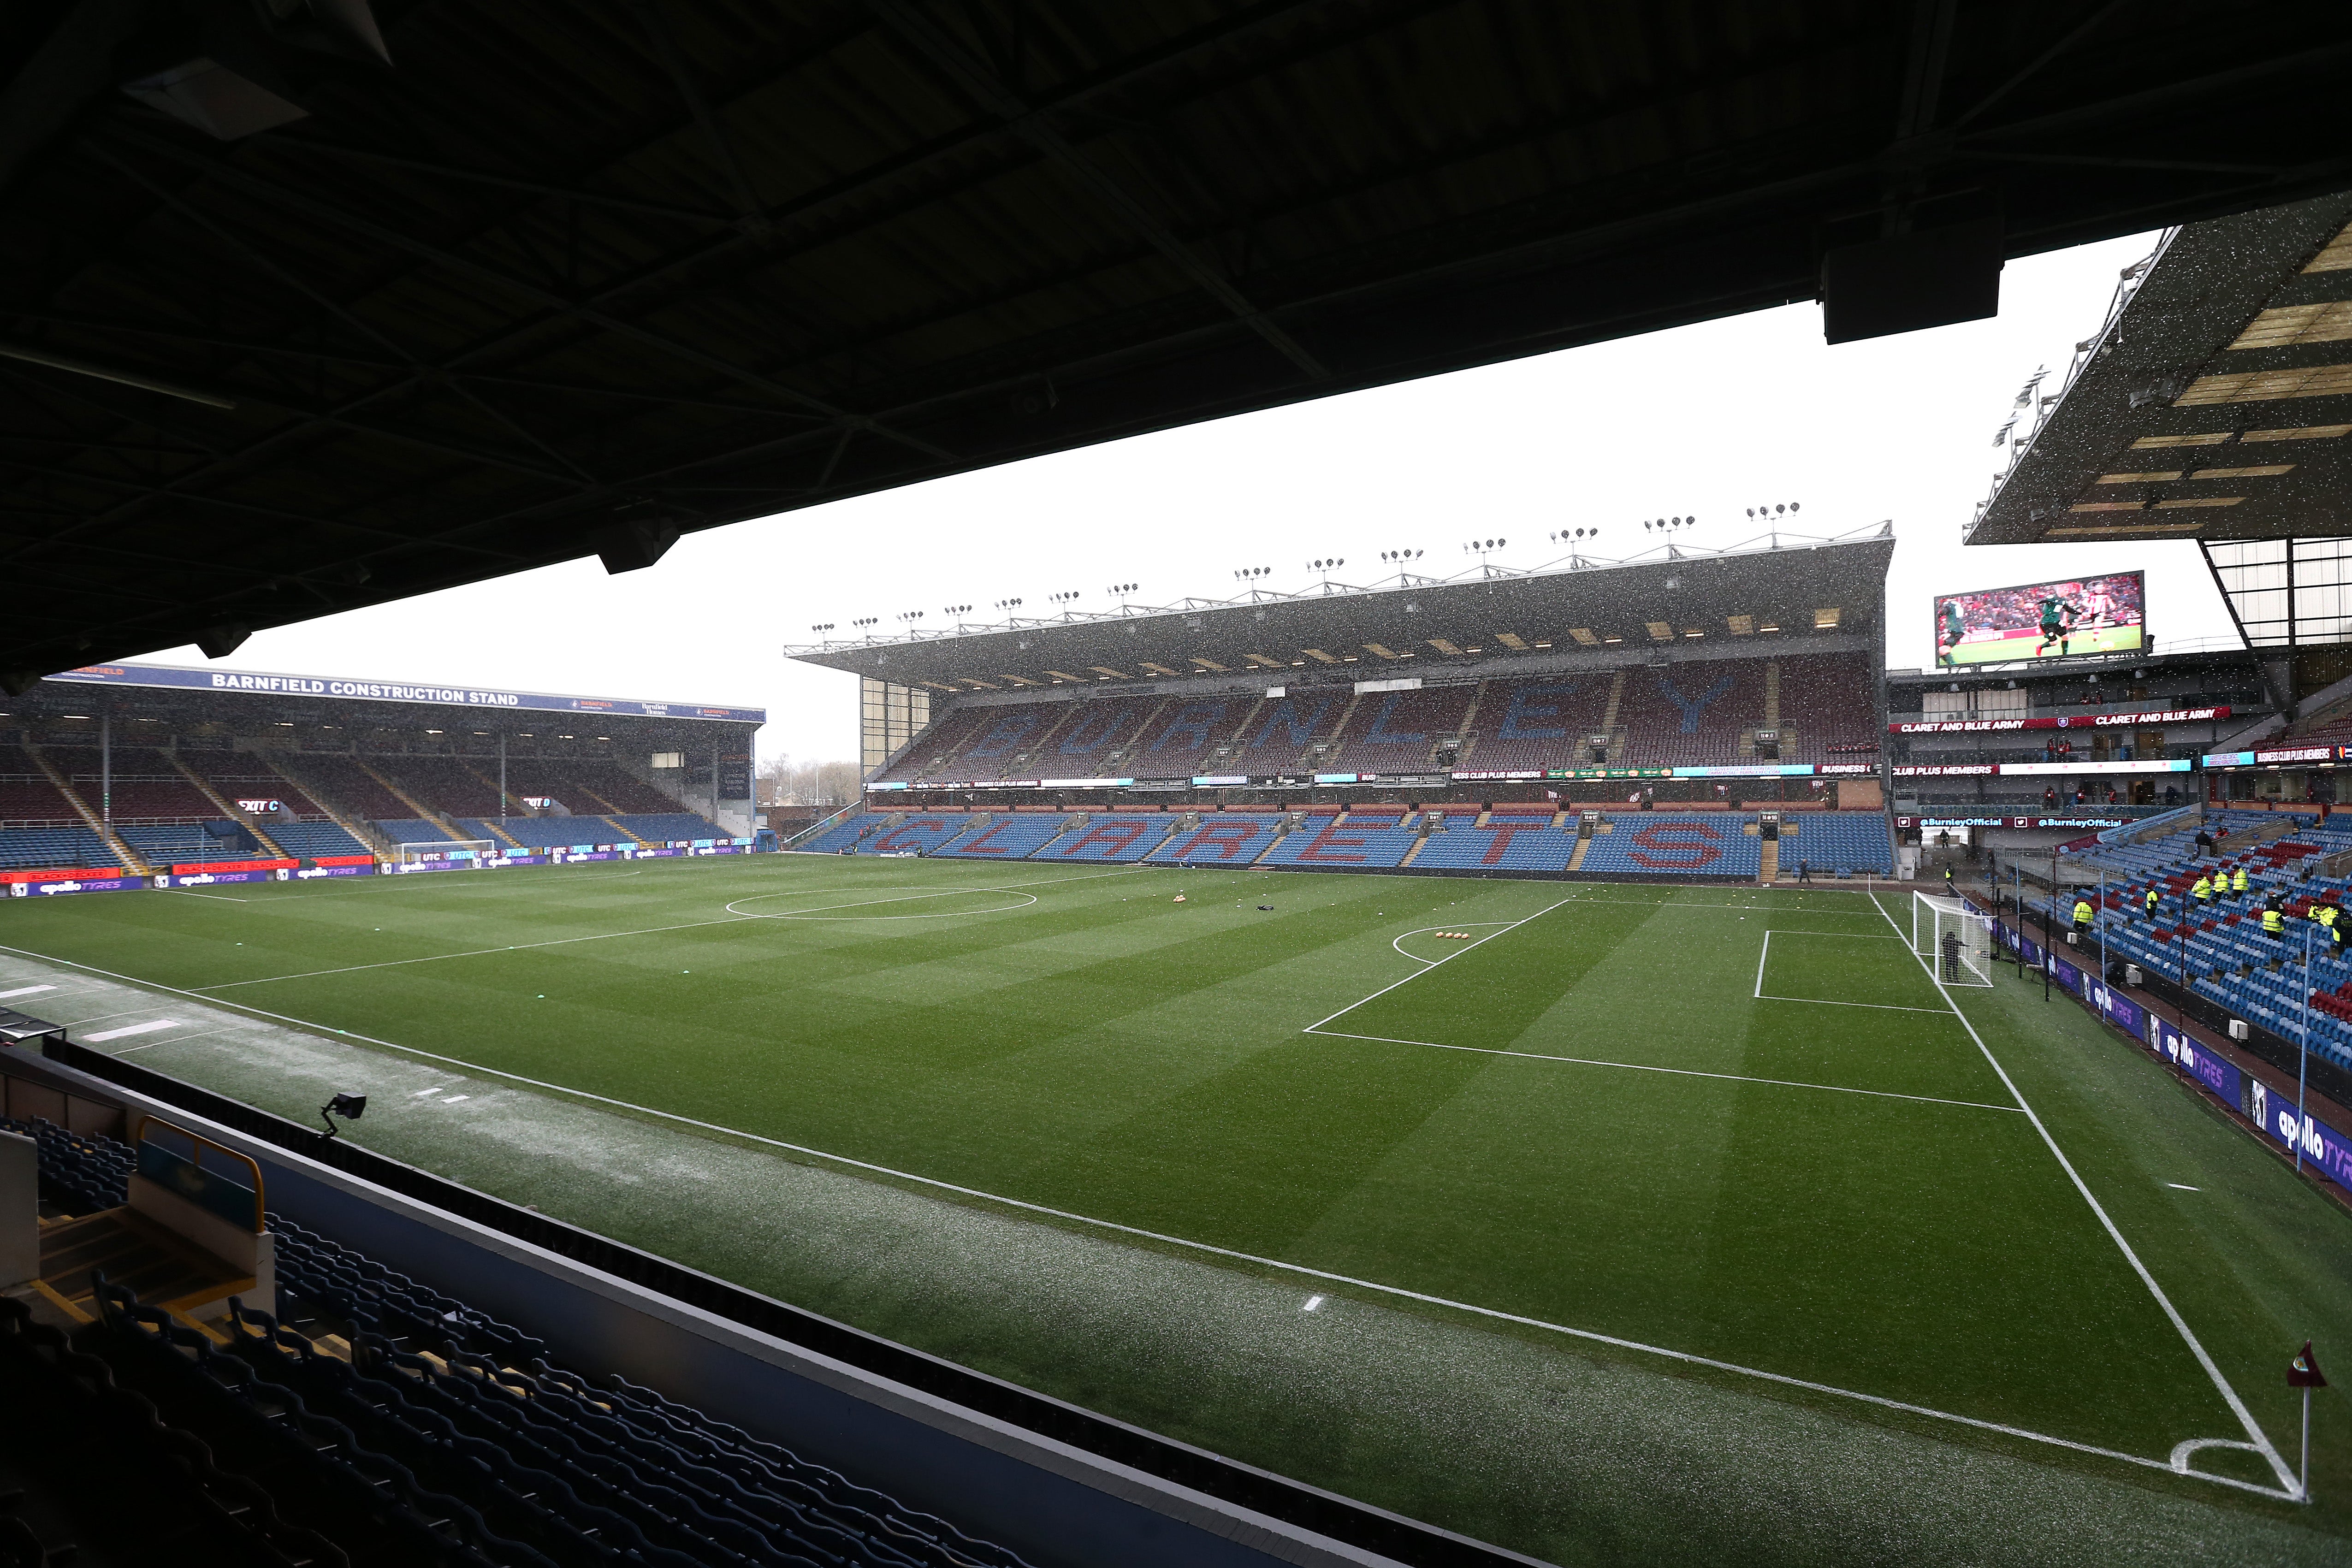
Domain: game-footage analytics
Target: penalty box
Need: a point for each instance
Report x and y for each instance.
(1843, 968)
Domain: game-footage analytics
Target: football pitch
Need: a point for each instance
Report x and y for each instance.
(1740, 1134)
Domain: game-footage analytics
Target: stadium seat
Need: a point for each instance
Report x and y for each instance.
(667, 827)
(1110, 837)
(1228, 839)
(1670, 844)
(1372, 845)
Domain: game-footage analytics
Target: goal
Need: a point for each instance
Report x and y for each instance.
(465, 852)
(1956, 941)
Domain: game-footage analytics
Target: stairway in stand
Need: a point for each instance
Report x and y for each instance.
(228, 808)
(130, 857)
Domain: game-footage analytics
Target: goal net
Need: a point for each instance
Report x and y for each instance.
(1956, 941)
(437, 851)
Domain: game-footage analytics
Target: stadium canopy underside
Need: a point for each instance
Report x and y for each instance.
(2215, 404)
(1672, 604)
(298, 317)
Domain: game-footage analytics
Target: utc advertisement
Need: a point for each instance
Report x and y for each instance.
(2042, 620)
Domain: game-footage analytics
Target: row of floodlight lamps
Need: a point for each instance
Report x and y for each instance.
(1571, 536)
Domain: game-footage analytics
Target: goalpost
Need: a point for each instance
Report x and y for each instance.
(466, 851)
(1955, 941)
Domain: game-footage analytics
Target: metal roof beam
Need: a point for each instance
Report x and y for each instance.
(329, 212)
(981, 86)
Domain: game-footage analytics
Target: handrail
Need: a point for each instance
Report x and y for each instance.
(193, 1183)
(816, 828)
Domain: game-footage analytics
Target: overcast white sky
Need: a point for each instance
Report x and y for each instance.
(1705, 421)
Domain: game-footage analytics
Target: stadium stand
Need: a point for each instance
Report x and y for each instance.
(1827, 703)
(1839, 841)
(1540, 722)
(1002, 837)
(443, 784)
(846, 835)
(39, 848)
(929, 751)
(1096, 739)
(1110, 836)
(2219, 944)
(146, 787)
(351, 788)
(1691, 716)
(1370, 841)
(1226, 838)
(169, 845)
(1395, 732)
(374, 1419)
(411, 830)
(665, 827)
(242, 776)
(1670, 844)
(1530, 845)
(1006, 739)
(312, 839)
(1186, 734)
(1274, 738)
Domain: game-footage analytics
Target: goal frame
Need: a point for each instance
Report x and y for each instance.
(1935, 914)
(409, 856)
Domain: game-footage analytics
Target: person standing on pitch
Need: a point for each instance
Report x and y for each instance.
(1804, 871)
(2082, 914)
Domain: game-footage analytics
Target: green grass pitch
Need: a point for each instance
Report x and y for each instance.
(1736, 1131)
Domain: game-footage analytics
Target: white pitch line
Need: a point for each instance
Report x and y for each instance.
(1590, 1336)
(175, 1039)
(1826, 1002)
(1677, 1072)
(2286, 1478)
(1761, 959)
(24, 991)
(1434, 964)
(1396, 941)
(149, 1028)
(190, 892)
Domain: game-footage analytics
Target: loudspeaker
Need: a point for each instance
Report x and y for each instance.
(220, 642)
(632, 546)
(1931, 277)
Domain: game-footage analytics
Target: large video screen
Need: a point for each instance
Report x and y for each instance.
(2042, 620)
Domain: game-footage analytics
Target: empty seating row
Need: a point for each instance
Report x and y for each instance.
(1700, 713)
(376, 1419)
(68, 849)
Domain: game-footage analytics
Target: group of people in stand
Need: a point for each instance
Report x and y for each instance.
(2326, 914)
(2080, 796)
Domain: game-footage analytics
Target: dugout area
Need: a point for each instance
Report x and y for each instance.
(1728, 1137)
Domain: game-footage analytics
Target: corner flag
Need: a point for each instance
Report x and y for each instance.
(2303, 1371)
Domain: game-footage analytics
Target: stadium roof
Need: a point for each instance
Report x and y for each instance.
(180, 678)
(2215, 404)
(295, 315)
(1773, 590)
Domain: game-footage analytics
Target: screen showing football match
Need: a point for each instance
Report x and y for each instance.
(2042, 620)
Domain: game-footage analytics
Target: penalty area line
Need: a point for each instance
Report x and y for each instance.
(1589, 1336)
(1436, 963)
(1677, 1072)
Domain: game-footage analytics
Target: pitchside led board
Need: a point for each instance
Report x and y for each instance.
(2042, 620)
